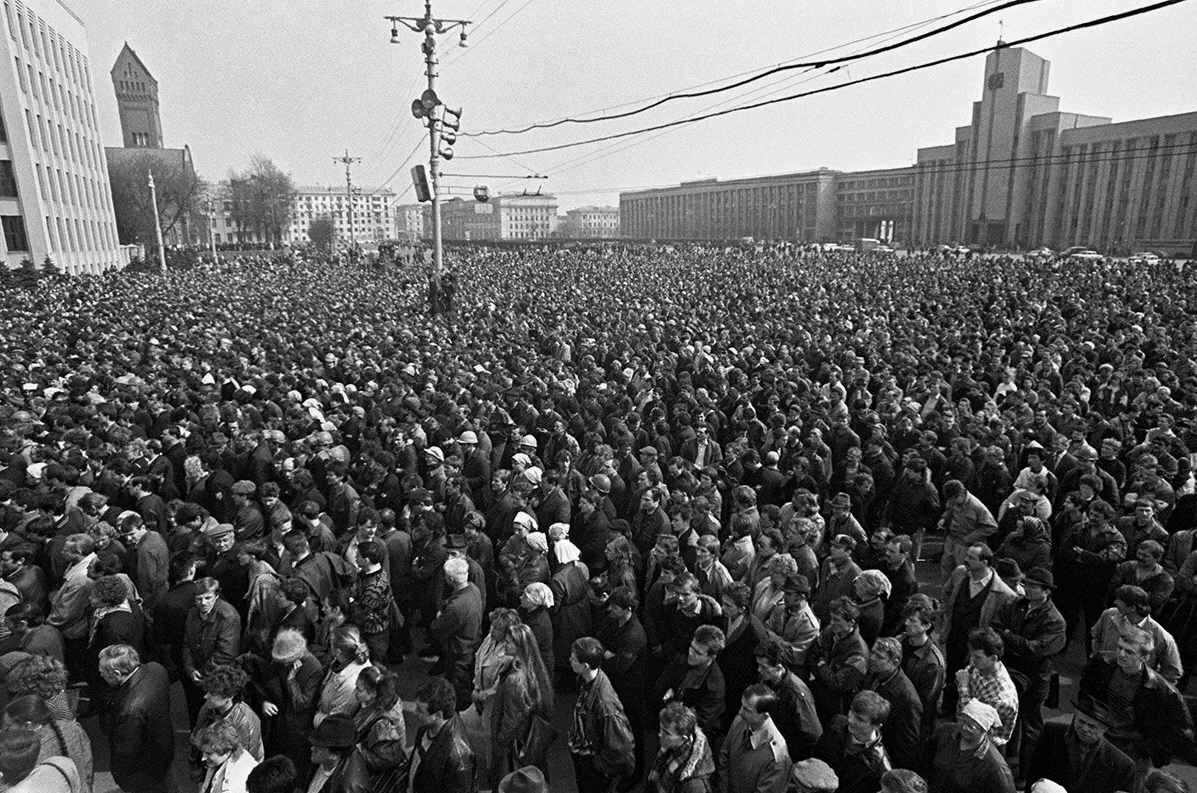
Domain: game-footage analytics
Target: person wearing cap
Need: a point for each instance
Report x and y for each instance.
(1132, 607)
(842, 521)
(1149, 720)
(813, 776)
(528, 779)
(475, 464)
(962, 757)
(972, 598)
(791, 622)
(836, 576)
(1033, 632)
(1010, 574)
(287, 685)
(754, 758)
(1087, 465)
(1076, 754)
(333, 742)
(248, 522)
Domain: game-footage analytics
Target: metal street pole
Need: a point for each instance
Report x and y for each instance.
(430, 26)
(157, 223)
(349, 190)
(208, 203)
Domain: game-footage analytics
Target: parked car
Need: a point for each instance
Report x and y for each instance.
(1144, 257)
(1084, 255)
(1042, 253)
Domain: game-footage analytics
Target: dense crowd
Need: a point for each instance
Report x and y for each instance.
(679, 491)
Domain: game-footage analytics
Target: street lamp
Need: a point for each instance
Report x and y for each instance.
(157, 223)
(425, 108)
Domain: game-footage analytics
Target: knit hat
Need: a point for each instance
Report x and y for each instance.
(289, 646)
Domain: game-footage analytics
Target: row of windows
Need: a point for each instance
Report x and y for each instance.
(65, 234)
(47, 45)
(46, 91)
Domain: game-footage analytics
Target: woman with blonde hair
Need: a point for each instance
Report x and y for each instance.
(489, 663)
(350, 656)
(227, 764)
(525, 690)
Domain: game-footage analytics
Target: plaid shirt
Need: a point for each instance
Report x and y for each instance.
(996, 690)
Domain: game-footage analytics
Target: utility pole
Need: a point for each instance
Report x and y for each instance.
(208, 204)
(345, 158)
(157, 223)
(440, 129)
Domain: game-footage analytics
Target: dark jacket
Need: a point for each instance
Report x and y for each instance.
(604, 722)
(837, 667)
(859, 768)
(903, 730)
(1109, 770)
(1160, 713)
(698, 689)
(142, 752)
(458, 631)
(1032, 636)
(214, 639)
(448, 764)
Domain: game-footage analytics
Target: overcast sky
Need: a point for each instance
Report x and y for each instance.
(301, 81)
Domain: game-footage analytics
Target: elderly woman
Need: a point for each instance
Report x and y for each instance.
(870, 590)
(224, 686)
(964, 758)
(226, 763)
(1145, 571)
(768, 595)
(536, 604)
(684, 763)
(571, 604)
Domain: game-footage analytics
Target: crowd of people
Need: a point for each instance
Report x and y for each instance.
(679, 492)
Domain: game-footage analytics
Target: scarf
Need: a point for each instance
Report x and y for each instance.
(673, 768)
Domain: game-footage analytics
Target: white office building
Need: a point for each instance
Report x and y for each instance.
(54, 195)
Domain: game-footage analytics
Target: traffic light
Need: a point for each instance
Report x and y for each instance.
(482, 194)
(419, 179)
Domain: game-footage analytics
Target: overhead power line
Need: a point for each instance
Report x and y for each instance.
(819, 64)
(746, 72)
(894, 73)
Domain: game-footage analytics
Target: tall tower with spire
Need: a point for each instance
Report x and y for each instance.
(137, 100)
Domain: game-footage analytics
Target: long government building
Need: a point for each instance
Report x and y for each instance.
(1022, 174)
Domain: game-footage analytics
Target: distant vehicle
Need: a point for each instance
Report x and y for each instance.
(1144, 257)
(1042, 253)
(883, 248)
(863, 244)
(1084, 255)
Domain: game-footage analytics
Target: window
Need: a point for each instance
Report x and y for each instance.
(21, 76)
(8, 180)
(14, 233)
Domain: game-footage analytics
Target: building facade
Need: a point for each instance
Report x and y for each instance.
(590, 223)
(1021, 174)
(411, 220)
(136, 101)
(55, 199)
(789, 206)
(373, 213)
(875, 204)
(504, 217)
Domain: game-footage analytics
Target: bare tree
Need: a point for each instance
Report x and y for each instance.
(178, 188)
(262, 198)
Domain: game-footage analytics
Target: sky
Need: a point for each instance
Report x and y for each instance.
(303, 81)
